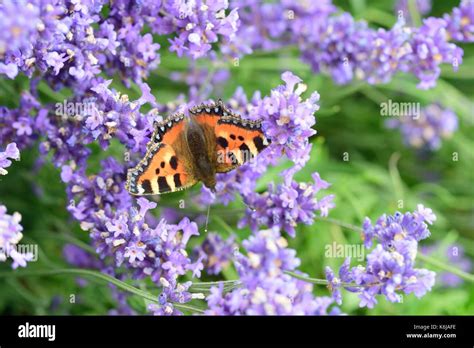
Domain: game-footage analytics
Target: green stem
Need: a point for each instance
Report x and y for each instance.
(188, 307)
(395, 176)
(321, 281)
(307, 279)
(205, 284)
(374, 94)
(340, 223)
(19, 289)
(414, 14)
(328, 111)
(84, 272)
(228, 285)
(90, 273)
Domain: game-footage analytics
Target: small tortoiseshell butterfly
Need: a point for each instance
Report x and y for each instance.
(185, 150)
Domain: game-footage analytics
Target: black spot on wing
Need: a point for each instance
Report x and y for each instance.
(222, 142)
(157, 171)
(177, 181)
(146, 185)
(246, 153)
(162, 164)
(232, 136)
(241, 138)
(174, 162)
(258, 141)
(163, 184)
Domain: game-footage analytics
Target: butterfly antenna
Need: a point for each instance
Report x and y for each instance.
(207, 217)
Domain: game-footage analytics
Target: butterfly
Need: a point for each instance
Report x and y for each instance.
(185, 150)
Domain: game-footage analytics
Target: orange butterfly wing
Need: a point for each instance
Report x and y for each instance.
(209, 115)
(164, 167)
(237, 140)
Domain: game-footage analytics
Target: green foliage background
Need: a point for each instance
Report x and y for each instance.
(379, 173)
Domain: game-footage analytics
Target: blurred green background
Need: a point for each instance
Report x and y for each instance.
(380, 172)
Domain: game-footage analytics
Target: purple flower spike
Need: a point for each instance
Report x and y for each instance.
(265, 287)
(10, 153)
(216, 252)
(460, 23)
(10, 235)
(428, 129)
(390, 265)
(287, 205)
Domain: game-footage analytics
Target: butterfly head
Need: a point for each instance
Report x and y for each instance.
(210, 183)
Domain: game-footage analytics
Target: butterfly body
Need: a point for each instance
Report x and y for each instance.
(185, 150)
(201, 147)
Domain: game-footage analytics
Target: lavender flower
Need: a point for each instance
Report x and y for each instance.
(460, 23)
(387, 54)
(215, 252)
(10, 153)
(10, 235)
(123, 233)
(20, 20)
(269, 26)
(131, 53)
(70, 44)
(287, 205)
(172, 294)
(265, 288)
(399, 227)
(197, 25)
(115, 115)
(430, 48)
(428, 130)
(158, 252)
(348, 49)
(390, 265)
(288, 120)
(334, 285)
(10, 228)
(339, 47)
(15, 126)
